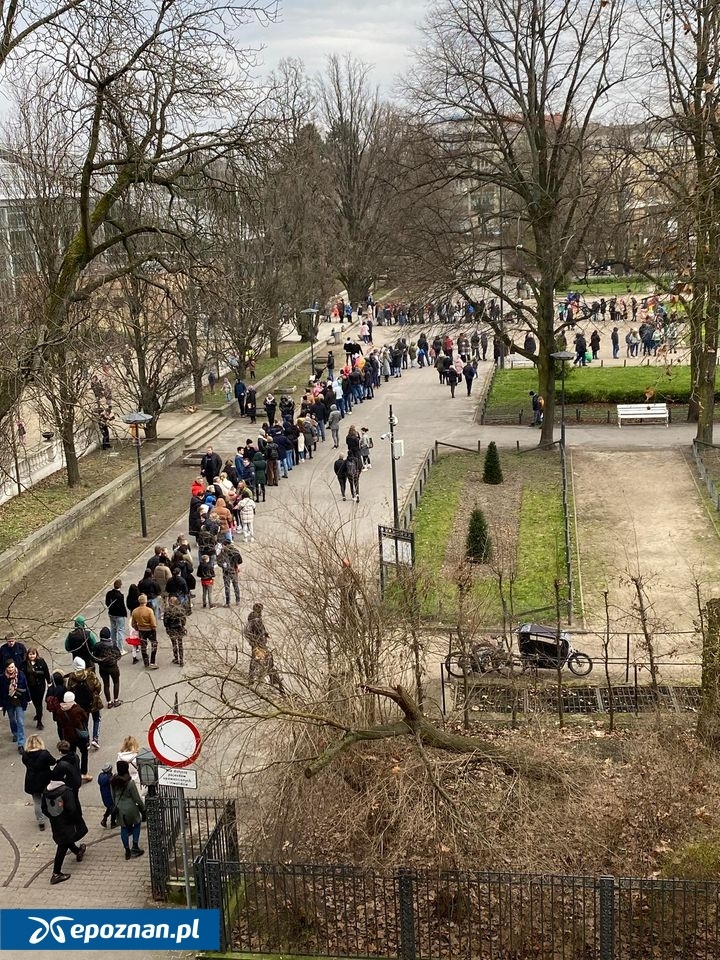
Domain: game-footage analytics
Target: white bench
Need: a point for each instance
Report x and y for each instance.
(518, 361)
(650, 412)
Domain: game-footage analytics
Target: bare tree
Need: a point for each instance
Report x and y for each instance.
(513, 94)
(130, 86)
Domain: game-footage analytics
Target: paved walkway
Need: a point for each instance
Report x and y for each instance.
(425, 413)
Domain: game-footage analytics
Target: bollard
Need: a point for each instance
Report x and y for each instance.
(625, 362)
(578, 414)
(517, 446)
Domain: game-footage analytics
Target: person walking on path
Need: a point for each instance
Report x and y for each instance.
(74, 723)
(333, 424)
(143, 620)
(37, 674)
(210, 465)
(262, 664)
(229, 561)
(130, 809)
(66, 822)
(104, 783)
(452, 377)
(174, 621)
(88, 694)
(81, 641)
(108, 657)
(340, 469)
(117, 612)
(12, 651)
(38, 763)
(469, 373)
(14, 698)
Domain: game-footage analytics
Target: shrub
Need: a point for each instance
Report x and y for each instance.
(478, 547)
(492, 471)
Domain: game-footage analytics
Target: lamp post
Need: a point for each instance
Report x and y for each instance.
(563, 356)
(135, 421)
(392, 420)
(312, 312)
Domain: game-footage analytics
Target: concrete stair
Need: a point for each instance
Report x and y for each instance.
(202, 431)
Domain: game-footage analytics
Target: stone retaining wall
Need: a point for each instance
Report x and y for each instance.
(17, 562)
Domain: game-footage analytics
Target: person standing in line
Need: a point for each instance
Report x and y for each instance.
(117, 612)
(247, 517)
(206, 575)
(38, 678)
(229, 561)
(366, 445)
(130, 809)
(12, 651)
(38, 763)
(615, 340)
(143, 620)
(14, 698)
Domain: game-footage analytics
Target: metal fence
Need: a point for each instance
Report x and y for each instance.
(203, 816)
(345, 911)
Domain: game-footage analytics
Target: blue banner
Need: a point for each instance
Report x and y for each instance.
(109, 929)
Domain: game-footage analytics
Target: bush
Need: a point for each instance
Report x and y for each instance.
(478, 547)
(492, 471)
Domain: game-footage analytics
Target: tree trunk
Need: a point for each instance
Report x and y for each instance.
(546, 365)
(274, 344)
(415, 724)
(151, 430)
(708, 726)
(72, 466)
(197, 387)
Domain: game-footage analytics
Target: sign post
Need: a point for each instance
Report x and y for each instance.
(176, 742)
(397, 549)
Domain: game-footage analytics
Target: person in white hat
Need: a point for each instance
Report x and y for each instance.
(73, 721)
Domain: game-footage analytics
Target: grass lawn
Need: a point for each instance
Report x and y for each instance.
(51, 497)
(610, 286)
(588, 385)
(265, 365)
(530, 502)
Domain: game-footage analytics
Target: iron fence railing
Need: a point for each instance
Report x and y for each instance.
(346, 911)
(209, 825)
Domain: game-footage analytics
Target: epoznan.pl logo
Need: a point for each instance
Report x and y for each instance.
(109, 930)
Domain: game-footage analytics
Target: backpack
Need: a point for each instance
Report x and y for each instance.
(83, 694)
(273, 452)
(56, 804)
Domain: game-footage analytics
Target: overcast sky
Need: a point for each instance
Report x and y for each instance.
(379, 32)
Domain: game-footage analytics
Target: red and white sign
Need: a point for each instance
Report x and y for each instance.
(174, 740)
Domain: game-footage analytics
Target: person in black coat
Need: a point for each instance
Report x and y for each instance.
(251, 405)
(54, 696)
(67, 826)
(194, 518)
(38, 678)
(38, 764)
(210, 465)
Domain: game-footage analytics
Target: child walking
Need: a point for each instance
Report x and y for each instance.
(104, 778)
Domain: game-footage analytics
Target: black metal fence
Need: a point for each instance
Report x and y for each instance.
(202, 817)
(344, 911)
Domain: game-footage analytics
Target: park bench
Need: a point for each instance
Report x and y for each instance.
(644, 412)
(518, 361)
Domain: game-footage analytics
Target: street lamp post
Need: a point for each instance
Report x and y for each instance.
(135, 421)
(396, 511)
(563, 356)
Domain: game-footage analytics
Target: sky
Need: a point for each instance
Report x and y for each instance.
(379, 32)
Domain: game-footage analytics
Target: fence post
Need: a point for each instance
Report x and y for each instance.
(607, 918)
(406, 903)
(157, 851)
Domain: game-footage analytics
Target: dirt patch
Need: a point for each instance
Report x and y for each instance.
(56, 589)
(642, 511)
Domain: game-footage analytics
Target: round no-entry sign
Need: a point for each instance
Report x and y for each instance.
(174, 740)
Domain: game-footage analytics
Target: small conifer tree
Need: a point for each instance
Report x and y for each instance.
(478, 544)
(492, 472)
